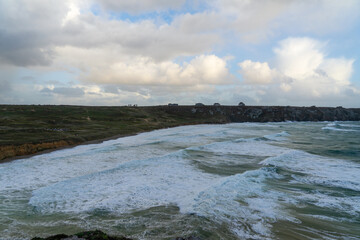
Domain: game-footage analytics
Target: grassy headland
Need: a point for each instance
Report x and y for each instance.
(29, 129)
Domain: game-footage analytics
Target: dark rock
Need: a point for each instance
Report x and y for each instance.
(188, 238)
(89, 235)
(254, 113)
(55, 237)
(199, 105)
(266, 113)
(241, 104)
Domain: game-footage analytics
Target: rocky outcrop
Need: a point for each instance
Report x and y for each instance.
(97, 235)
(269, 113)
(90, 235)
(188, 238)
(9, 151)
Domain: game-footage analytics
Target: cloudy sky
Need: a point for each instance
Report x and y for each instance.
(150, 52)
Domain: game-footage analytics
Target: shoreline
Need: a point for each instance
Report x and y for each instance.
(98, 141)
(103, 197)
(95, 141)
(30, 130)
(117, 136)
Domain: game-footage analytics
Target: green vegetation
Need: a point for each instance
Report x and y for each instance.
(21, 124)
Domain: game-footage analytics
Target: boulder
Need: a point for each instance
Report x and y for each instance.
(89, 235)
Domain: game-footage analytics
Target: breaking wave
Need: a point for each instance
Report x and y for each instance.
(227, 174)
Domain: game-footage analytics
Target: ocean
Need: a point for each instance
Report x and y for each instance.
(289, 180)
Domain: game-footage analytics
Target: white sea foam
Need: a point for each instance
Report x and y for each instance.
(60, 165)
(134, 185)
(319, 170)
(343, 204)
(341, 127)
(277, 136)
(157, 169)
(244, 202)
(313, 169)
(331, 219)
(50, 168)
(172, 180)
(349, 125)
(242, 146)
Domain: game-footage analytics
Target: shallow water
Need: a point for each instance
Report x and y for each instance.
(234, 181)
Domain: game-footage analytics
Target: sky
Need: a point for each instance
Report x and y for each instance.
(155, 52)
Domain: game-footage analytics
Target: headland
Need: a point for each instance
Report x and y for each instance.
(31, 129)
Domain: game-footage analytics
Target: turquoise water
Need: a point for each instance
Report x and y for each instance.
(234, 181)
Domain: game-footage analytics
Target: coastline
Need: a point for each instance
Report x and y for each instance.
(97, 182)
(72, 145)
(29, 130)
(10, 159)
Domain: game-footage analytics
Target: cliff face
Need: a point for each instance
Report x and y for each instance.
(269, 114)
(27, 149)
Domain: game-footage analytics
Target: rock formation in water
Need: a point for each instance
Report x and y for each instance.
(96, 235)
(89, 235)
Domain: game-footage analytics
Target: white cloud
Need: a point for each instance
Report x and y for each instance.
(252, 19)
(260, 20)
(298, 57)
(201, 22)
(202, 70)
(301, 71)
(338, 69)
(143, 56)
(72, 14)
(139, 6)
(303, 60)
(320, 17)
(256, 72)
(31, 30)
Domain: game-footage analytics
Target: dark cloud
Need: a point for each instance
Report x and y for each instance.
(111, 89)
(28, 78)
(27, 57)
(65, 91)
(31, 31)
(4, 86)
(28, 31)
(46, 90)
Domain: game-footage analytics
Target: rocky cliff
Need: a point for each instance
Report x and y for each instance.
(268, 113)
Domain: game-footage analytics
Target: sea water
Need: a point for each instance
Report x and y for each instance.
(235, 181)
